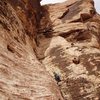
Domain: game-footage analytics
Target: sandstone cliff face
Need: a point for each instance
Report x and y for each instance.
(72, 48)
(36, 42)
(22, 76)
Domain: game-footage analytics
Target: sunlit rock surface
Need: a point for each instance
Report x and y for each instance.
(49, 52)
(73, 48)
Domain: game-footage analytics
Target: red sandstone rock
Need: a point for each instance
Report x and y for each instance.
(22, 76)
(36, 42)
(75, 34)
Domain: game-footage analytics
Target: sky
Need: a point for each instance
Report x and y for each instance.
(97, 3)
(51, 1)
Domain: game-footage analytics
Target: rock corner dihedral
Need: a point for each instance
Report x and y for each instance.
(41, 46)
(22, 76)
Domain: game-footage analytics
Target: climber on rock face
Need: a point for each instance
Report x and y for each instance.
(57, 77)
(76, 60)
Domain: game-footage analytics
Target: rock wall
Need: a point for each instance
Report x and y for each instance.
(49, 52)
(70, 47)
(22, 76)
